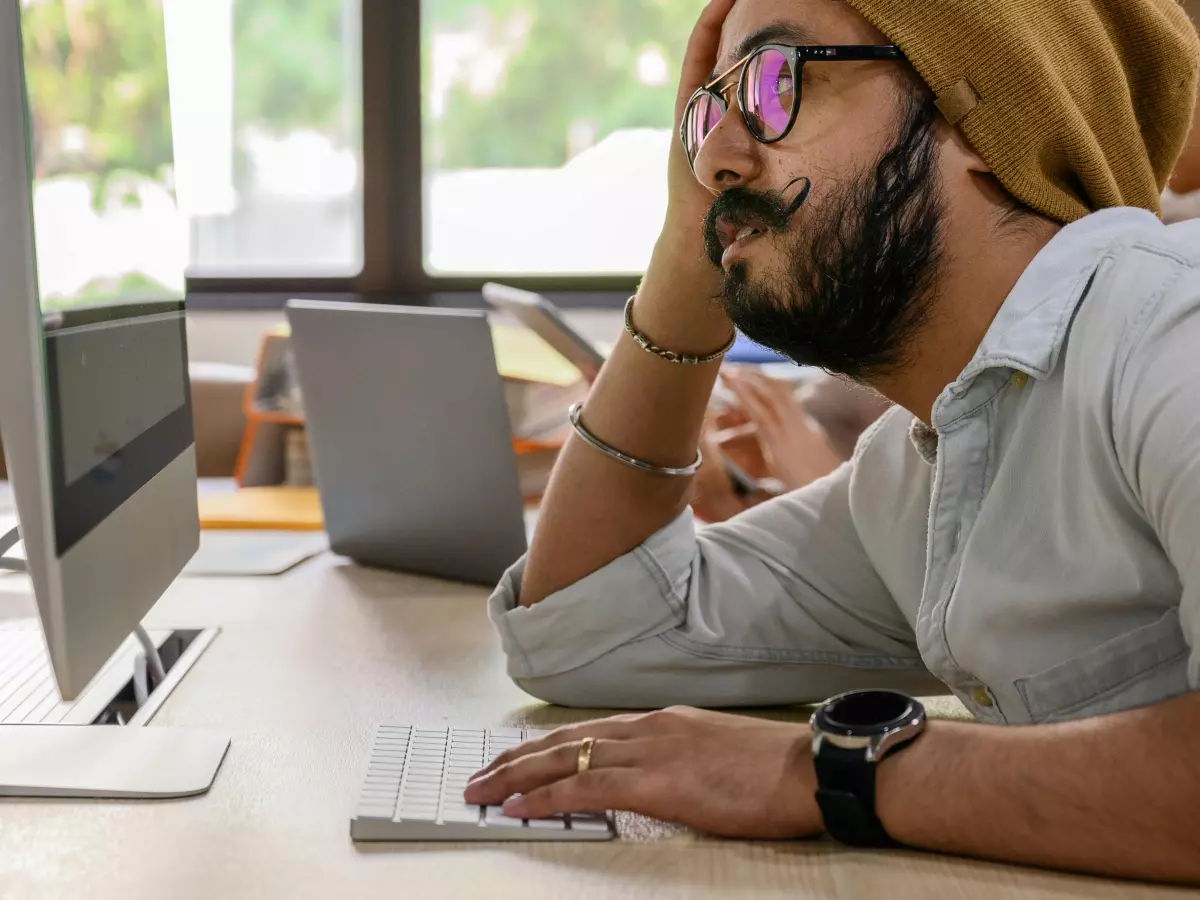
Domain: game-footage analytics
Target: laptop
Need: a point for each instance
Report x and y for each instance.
(542, 317)
(410, 439)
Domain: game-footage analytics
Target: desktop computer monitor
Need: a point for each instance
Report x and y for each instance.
(95, 420)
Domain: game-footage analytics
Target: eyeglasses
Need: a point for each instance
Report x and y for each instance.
(768, 91)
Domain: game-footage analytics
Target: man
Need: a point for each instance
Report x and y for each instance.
(970, 229)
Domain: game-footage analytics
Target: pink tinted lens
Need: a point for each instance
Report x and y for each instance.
(703, 116)
(770, 94)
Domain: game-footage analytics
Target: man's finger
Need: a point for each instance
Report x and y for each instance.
(701, 53)
(772, 404)
(594, 791)
(759, 411)
(747, 431)
(555, 764)
(781, 391)
(610, 729)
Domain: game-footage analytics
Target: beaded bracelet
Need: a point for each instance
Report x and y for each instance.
(683, 359)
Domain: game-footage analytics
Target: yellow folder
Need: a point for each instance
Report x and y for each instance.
(274, 508)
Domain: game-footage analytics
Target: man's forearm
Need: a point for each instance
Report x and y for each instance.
(1116, 795)
(595, 508)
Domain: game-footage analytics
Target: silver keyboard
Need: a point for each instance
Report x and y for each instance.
(413, 791)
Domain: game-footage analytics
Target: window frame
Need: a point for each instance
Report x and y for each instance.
(393, 250)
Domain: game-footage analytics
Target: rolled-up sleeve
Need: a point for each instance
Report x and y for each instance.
(780, 605)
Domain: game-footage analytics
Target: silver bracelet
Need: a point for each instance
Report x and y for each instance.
(683, 359)
(625, 459)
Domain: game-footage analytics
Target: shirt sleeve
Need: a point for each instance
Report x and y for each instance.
(1156, 420)
(780, 605)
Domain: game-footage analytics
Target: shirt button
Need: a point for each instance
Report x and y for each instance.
(983, 698)
(1019, 380)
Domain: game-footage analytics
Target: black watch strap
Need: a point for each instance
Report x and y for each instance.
(846, 795)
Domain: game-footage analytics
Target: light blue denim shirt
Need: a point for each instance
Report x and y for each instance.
(1036, 551)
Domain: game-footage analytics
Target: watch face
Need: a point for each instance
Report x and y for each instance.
(867, 713)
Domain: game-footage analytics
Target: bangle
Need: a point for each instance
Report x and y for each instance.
(623, 458)
(683, 359)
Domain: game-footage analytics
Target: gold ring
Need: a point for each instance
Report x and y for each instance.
(585, 755)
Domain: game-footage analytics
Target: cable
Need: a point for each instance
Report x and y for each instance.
(7, 542)
(152, 658)
(141, 680)
(149, 658)
(10, 540)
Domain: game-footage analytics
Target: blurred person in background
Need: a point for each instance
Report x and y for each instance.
(1182, 198)
(784, 434)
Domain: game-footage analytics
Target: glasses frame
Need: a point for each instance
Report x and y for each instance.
(797, 56)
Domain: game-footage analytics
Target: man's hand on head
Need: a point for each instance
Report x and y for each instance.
(681, 244)
(725, 775)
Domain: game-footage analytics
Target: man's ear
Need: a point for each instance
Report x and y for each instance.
(957, 150)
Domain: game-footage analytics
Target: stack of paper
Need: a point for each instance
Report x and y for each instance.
(540, 387)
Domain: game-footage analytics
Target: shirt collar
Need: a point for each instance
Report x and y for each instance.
(1031, 327)
(1029, 331)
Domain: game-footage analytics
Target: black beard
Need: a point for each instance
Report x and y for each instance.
(860, 270)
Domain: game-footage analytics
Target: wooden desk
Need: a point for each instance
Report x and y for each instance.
(306, 663)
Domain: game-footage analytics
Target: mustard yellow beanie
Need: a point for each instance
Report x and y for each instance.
(1077, 105)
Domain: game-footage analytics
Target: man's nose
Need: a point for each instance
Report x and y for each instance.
(730, 156)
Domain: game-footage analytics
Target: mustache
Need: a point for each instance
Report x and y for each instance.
(742, 206)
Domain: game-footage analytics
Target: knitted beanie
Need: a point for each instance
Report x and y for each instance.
(1077, 105)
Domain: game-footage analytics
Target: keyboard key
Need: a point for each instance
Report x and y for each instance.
(555, 824)
(381, 790)
(494, 816)
(385, 813)
(385, 770)
(422, 789)
(413, 814)
(588, 823)
(426, 765)
(460, 814)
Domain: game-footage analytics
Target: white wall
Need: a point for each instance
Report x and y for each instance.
(229, 337)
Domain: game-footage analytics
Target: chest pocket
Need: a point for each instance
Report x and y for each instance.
(1142, 667)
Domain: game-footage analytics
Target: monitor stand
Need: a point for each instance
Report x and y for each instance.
(109, 762)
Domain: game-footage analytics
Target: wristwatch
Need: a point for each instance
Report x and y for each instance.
(851, 734)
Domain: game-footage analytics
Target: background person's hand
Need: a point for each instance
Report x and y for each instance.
(795, 447)
(713, 496)
(725, 775)
(730, 438)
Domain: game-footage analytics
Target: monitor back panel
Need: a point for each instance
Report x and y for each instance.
(409, 433)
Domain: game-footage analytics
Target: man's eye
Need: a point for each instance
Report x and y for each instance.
(784, 85)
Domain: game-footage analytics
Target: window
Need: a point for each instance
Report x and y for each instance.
(104, 210)
(253, 168)
(547, 125)
(268, 135)
(359, 148)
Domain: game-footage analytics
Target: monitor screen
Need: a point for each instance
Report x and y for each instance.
(107, 224)
(111, 249)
